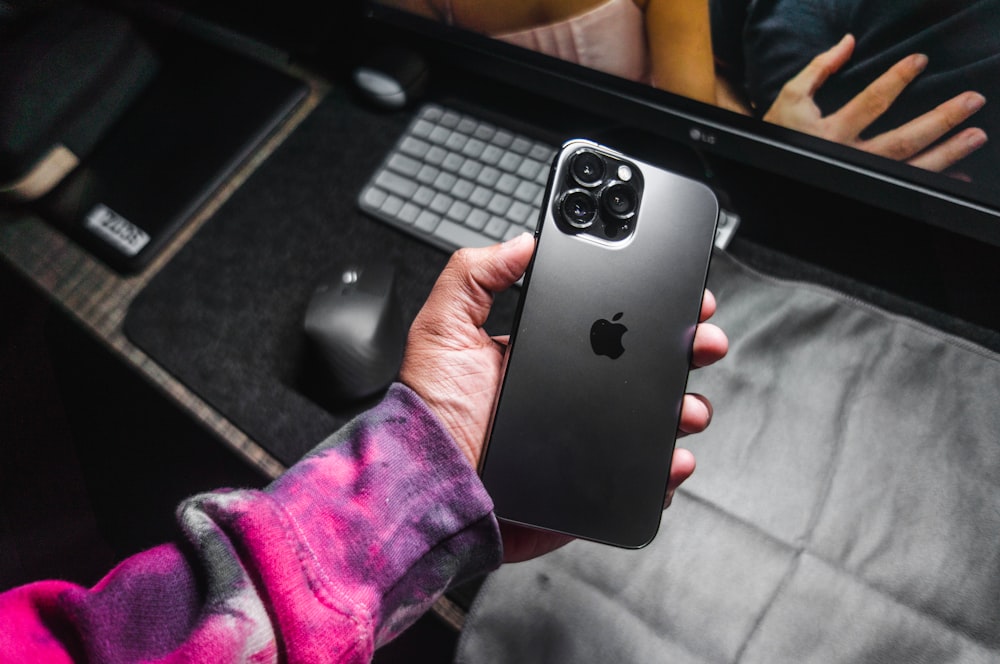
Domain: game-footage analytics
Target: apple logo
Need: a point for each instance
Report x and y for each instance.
(606, 337)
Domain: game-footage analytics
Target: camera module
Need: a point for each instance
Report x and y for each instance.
(578, 208)
(619, 200)
(587, 168)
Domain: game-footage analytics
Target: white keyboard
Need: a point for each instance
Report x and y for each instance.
(456, 181)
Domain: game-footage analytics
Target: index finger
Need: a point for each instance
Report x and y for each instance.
(869, 104)
(820, 68)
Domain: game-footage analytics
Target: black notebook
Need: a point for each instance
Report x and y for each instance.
(201, 117)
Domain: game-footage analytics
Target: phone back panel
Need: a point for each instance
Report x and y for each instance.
(581, 443)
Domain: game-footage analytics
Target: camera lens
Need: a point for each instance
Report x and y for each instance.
(619, 200)
(587, 168)
(578, 208)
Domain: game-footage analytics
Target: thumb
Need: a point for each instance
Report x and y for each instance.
(471, 277)
(498, 267)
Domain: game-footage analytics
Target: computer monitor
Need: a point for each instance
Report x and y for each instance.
(732, 79)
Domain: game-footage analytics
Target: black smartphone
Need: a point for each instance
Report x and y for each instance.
(584, 425)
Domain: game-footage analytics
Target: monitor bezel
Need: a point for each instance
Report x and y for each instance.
(931, 198)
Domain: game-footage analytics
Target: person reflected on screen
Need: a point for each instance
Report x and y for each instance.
(899, 80)
(354, 542)
(666, 43)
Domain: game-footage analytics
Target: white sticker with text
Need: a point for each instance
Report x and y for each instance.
(116, 229)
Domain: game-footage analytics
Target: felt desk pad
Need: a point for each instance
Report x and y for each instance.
(225, 315)
(846, 507)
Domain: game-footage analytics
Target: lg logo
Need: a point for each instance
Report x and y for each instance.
(701, 136)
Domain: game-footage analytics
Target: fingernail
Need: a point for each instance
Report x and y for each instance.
(518, 239)
(976, 139)
(920, 61)
(974, 101)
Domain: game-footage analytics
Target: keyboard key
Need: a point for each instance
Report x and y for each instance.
(488, 176)
(374, 197)
(438, 135)
(507, 184)
(459, 236)
(414, 147)
(427, 174)
(499, 204)
(503, 138)
(477, 219)
(403, 164)
(520, 145)
(435, 155)
(456, 141)
(474, 148)
(424, 196)
(496, 227)
(459, 211)
(480, 196)
(450, 119)
(422, 128)
(445, 181)
(466, 125)
(470, 169)
(512, 233)
(529, 169)
(427, 221)
(432, 113)
(542, 153)
(527, 192)
(491, 155)
(519, 213)
(453, 162)
(396, 184)
(484, 131)
(392, 205)
(462, 189)
(409, 213)
(509, 162)
(441, 203)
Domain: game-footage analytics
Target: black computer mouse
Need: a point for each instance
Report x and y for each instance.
(354, 326)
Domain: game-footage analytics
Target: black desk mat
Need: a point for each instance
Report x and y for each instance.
(225, 315)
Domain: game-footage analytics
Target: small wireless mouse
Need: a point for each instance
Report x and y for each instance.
(354, 327)
(392, 77)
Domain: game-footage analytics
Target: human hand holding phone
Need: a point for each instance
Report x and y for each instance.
(455, 366)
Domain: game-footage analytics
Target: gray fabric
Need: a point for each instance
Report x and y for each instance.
(846, 507)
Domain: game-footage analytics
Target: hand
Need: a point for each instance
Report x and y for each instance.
(455, 366)
(795, 108)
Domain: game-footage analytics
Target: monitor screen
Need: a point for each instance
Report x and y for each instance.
(887, 103)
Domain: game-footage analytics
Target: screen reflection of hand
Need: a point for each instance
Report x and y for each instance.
(917, 142)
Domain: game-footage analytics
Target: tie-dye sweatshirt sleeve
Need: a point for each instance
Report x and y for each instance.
(330, 561)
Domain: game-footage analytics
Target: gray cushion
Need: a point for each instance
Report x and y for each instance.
(846, 507)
